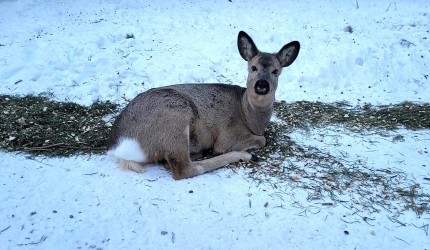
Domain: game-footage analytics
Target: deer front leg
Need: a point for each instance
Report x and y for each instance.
(236, 141)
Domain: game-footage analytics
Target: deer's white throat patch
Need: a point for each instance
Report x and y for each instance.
(128, 149)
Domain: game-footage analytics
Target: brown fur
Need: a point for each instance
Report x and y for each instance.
(174, 125)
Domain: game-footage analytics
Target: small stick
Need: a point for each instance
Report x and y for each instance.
(44, 147)
(388, 7)
(349, 222)
(42, 239)
(4, 229)
(402, 240)
(91, 173)
(327, 204)
(61, 145)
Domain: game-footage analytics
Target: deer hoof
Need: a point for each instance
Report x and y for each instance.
(254, 158)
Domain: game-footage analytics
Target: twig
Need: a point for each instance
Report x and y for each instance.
(365, 220)
(91, 173)
(42, 239)
(44, 147)
(349, 222)
(356, 1)
(402, 240)
(396, 220)
(423, 227)
(414, 206)
(62, 145)
(4, 229)
(388, 7)
(151, 180)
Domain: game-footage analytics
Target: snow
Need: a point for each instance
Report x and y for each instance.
(77, 51)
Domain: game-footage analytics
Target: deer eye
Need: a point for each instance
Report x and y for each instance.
(275, 72)
(253, 68)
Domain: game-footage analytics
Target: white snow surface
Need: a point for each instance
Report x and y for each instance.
(77, 51)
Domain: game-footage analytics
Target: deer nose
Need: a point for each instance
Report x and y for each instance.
(262, 87)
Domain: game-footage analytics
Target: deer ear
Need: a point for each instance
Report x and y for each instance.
(288, 53)
(247, 48)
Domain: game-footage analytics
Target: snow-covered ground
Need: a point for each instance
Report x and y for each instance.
(360, 51)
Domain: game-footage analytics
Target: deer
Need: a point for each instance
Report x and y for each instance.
(177, 125)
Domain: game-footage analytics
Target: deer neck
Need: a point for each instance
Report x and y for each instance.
(256, 117)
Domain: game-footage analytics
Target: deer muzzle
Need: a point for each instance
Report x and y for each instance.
(262, 87)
